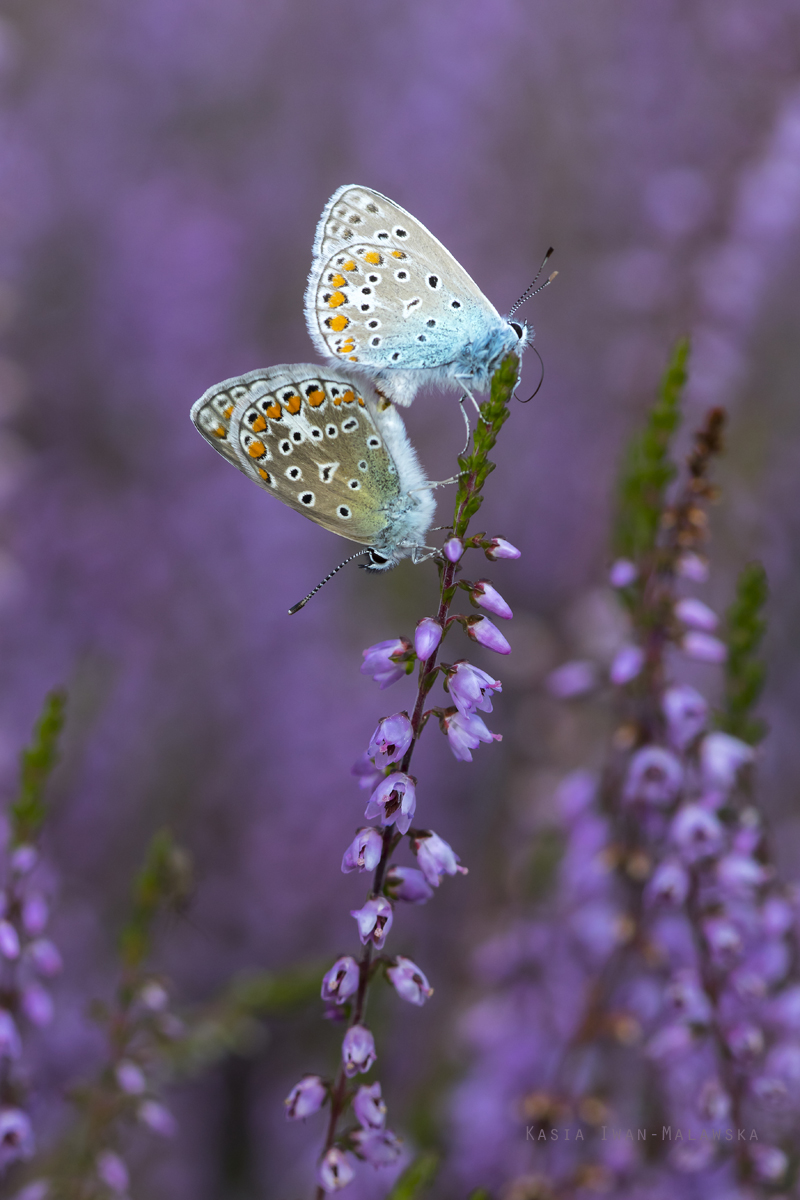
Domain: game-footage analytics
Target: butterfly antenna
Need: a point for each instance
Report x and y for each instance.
(541, 379)
(532, 289)
(296, 607)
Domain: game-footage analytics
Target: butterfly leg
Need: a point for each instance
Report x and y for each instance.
(469, 393)
(421, 554)
(461, 400)
(428, 487)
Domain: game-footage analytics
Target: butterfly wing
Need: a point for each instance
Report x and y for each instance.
(305, 434)
(385, 293)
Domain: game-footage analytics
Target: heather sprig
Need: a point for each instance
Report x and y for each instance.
(385, 769)
(744, 670)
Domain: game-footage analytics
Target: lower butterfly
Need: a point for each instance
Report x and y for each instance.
(329, 448)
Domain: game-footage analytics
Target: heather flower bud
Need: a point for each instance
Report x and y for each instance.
(453, 549)
(724, 940)
(158, 1118)
(364, 852)
(572, 679)
(34, 914)
(738, 875)
(130, 1078)
(16, 1137)
(769, 1162)
(154, 996)
(704, 647)
(391, 739)
(670, 1043)
(10, 1044)
(471, 688)
(482, 631)
(714, 1103)
(785, 1009)
(696, 832)
(386, 661)
(721, 756)
(37, 1005)
(623, 573)
(691, 566)
(686, 713)
(409, 981)
(24, 859)
(9, 940)
(394, 801)
(500, 548)
(111, 1171)
(341, 981)
(365, 771)
(654, 777)
(745, 1041)
(669, 883)
(380, 1149)
(374, 921)
(408, 884)
(627, 664)
(335, 1170)
(696, 614)
(777, 917)
(687, 998)
(427, 636)
(369, 1107)
(45, 957)
(487, 596)
(358, 1050)
(305, 1098)
(465, 731)
(436, 857)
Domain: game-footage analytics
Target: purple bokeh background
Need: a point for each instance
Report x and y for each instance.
(162, 168)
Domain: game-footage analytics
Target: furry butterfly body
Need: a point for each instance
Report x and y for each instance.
(324, 444)
(387, 299)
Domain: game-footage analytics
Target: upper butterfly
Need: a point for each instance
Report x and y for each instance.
(325, 447)
(385, 295)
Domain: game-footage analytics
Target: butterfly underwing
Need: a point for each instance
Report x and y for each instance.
(325, 444)
(386, 298)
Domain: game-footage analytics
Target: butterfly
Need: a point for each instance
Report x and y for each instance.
(329, 448)
(386, 299)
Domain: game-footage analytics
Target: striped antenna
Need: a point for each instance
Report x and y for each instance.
(532, 290)
(296, 607)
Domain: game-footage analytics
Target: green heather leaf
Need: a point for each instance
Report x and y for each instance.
(418, 1175)
(744, 670)
(36, 765)
(646, 468)
(163, 881)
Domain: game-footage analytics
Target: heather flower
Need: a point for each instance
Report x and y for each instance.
(785, 1009)
(724, 940)
(374, 921)
(16, 1136)
(471, 688)
(427, 636)
(704, 647)
(9, 940)
(335, 1170)
(692, 567)
(10, 1044)
(391, 739)
(669, 882)
(111, 1170)
(365, 771)
(714, 1103)
(465, 731)
(37, 1004)
(24, 859)
(341, 981)
(654, 777)
(627, 664)
(721, 756)
(696, 614)
(364, 852)
(453, 549)
(408, 884)
(575, 793)
(45, 957)
(154, 996)
(623, 573)
(769, 1162)
(358, 1050)
(305, 1098)
(686, 713)
(500, 548)
(738, 875)
(369, 1108)
(486, 595)
(130, 1078)
(436, 857)
(670, 1043)
(158, 1118)
(34, 914)
(777, 917)
(572, 679)
(745, 1041)
(381, 661)
(409, 981)
(697, 832)
(685, 995)
(482, 631)
(394, 801)
(380, 1149)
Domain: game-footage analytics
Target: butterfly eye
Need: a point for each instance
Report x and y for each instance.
(376, 558)
(516, 327)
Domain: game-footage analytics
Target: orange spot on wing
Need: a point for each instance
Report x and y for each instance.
(220, 431)
(265, 475)
(274, 411)
(353, 358)
(338, 280)
(398, 254)
(336, 299)
(348, 397)
(360, 401)
(316, 397)
(338, 323)
(293, 404)
(256, 449)
(228, 413)
(373, 257)
(349, 265)
(337, 400)
(258, 424)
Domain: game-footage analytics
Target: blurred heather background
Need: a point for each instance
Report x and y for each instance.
(162, 168)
